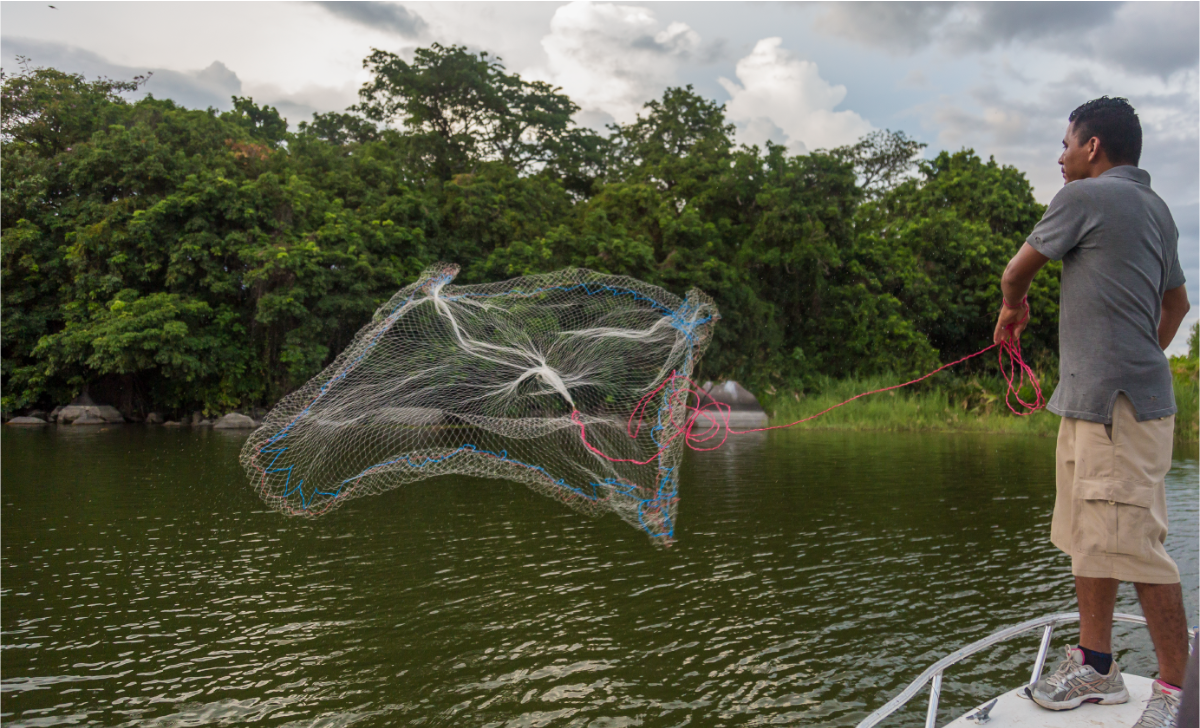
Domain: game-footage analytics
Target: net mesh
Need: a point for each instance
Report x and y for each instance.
(498, 381)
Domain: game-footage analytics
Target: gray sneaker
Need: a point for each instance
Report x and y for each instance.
(1160, 711)
(1074, 683)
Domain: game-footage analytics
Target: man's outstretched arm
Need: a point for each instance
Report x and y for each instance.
(1174, 307)
(1014, 285)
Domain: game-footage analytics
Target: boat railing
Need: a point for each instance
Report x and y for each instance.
(934, 672)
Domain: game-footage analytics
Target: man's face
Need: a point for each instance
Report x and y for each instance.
(1075, 160)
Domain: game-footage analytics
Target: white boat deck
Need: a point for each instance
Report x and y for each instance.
(1014, 709)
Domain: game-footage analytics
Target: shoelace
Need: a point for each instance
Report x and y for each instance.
(1064, 673)
(1161, 707)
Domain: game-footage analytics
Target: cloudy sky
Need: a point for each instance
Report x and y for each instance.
(999, 78)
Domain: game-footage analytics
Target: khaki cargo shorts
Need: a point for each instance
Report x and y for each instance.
(1110, 514)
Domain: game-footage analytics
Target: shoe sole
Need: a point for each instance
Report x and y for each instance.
(1101, 698)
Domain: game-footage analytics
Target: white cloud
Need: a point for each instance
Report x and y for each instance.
(611, 59)
(1023, 124)
(1156, 38)
(299, 105)
(198, 89)
(1152, 38)
(898, 27)
(780, 93)
(212, 86)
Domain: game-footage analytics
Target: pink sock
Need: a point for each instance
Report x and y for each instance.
(1169, 686)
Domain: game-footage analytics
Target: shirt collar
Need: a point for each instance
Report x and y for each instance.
(1129, 172)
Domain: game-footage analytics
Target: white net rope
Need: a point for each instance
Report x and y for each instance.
(498, 381)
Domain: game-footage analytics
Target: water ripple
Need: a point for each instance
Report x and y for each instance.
(815, 575)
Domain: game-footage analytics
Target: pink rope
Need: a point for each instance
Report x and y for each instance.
(713, 417)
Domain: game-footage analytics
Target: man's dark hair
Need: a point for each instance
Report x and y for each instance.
(1115, 123)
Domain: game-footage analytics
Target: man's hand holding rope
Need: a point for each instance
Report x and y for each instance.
(1014, 286)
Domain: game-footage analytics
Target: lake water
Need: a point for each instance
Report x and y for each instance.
(815, 574)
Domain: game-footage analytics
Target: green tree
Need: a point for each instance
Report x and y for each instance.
(47, 110)
(262, 123)
(461, 109)
(241, 260)
(938, 244)
(167, 341)
(167, 257)
(882, 160)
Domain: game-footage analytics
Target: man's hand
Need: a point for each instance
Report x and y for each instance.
(1011, 323)
(1014, 284)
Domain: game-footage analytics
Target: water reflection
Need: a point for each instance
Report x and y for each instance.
(814, 575)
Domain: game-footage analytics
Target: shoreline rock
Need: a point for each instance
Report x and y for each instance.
(84, 411)
(105, 413)
(234, 421)
(27, 421)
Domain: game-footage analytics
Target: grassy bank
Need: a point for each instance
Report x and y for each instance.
(952, 405)
(1187, 396)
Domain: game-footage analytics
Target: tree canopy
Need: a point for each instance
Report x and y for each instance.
(165, 257)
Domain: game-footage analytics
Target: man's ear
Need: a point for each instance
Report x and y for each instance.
(1094, 149)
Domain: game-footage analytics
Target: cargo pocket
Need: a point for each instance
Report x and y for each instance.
(1117, 474)
(1112, 518)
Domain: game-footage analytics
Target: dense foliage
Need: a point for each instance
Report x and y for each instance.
(164, 257)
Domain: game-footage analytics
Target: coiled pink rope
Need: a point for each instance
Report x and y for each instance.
(709, 420)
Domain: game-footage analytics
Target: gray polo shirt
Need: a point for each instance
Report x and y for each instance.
(1119, 248)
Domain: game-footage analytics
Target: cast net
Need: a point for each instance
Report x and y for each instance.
(499, 380)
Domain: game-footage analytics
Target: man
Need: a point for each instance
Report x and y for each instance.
(1123, 299)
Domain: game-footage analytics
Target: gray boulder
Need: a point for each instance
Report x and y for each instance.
(54, 413)
(77, 408)
(26, 421)
(89, 419)
(172, 423)
(85, 405)
(102, 412)
(234, 421)
(109, 414)
(154, 418)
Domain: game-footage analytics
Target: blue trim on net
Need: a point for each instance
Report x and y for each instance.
(667, 486)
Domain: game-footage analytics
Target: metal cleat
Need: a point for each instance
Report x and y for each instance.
(981, 716)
